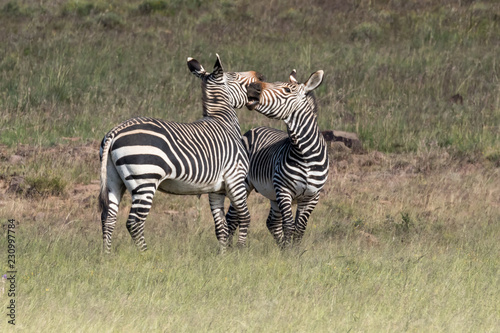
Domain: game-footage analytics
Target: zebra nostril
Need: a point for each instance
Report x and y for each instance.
(254, 89)
(253, 94)
(256, 85)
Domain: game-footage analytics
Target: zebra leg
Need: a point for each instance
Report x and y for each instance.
(304, 210)
(217, 207)
(232, 218)
(115, 190)
(274, 223)
(238, 196)
(141, 205)
(284, 201)
(232, 224)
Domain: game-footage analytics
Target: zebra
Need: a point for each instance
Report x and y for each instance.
(143, 155)
(286, 167)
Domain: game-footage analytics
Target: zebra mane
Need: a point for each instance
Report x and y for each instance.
(215, 99)
(313, 103)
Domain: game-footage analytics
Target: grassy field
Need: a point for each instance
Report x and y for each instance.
(405, 237)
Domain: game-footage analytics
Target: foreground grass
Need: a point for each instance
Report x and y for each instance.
(397, 243)
(404, 242)
(333, 286)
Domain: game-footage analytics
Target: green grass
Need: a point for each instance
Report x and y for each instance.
(77, 68)
(434, 266)
(71, 70)
(395, 288)
(397, 243)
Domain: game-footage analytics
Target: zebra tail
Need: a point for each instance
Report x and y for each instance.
(103, 194)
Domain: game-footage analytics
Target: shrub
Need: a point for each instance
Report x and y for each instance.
(110, 20)
(45, 185)
(150, 6)
(366, 31)
(11, 8)
(82, 8)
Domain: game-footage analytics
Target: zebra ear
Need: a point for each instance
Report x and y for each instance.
(314, 81)
(293, 78)
(196, 68)
(218, 69)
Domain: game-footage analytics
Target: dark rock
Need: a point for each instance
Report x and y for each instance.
(17, 184)
(349, 139)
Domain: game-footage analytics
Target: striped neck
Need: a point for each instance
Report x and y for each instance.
(303, 131)
(216, 103)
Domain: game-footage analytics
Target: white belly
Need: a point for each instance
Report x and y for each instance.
(299, 189)
(175, 186)
(266, 189)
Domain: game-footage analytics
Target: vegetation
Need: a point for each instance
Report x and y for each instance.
(405, 237)
(77, 68)
(389, 248)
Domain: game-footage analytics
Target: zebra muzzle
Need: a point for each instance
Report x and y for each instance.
(253, 94)
(252, 104)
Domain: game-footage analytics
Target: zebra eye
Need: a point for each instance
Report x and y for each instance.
(287, 90)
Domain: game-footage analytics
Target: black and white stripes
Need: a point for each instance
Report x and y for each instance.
(143, 155)
(286, 167)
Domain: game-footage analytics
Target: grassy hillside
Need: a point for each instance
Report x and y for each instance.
(76, 68)
(405, 237)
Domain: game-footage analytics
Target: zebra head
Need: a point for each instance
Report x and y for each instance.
(214, 88)
(279, 100)
(216, 77)
(236, 82)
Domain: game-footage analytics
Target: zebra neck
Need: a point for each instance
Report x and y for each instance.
(304, 134)
(217, 106)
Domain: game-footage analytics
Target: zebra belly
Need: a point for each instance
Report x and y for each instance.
(300, 190)
(176, 186)
(266, 189)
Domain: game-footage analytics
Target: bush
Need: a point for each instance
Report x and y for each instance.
(150, 6)
(45, 185)
(82, 8)
(110, 20)
(11, 8)
(366, 31)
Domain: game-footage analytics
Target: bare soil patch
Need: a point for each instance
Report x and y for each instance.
(428, 184)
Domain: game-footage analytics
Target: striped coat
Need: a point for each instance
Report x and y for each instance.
(286, 167)
(145, 155)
